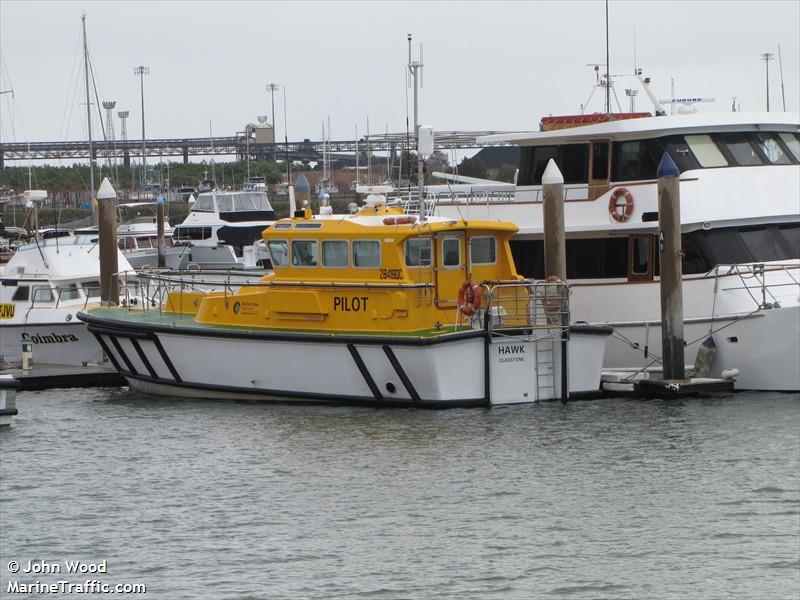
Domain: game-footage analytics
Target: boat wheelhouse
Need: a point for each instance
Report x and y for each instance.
(376, 307)
(740, 215)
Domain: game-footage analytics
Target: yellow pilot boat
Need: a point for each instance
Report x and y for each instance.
(377, 307)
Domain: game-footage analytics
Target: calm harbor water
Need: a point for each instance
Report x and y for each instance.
(601, 499)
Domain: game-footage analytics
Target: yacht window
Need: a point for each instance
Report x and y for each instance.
(706, 151)
(244, 202)
(334, 253)
(278, 252)
(191, 233)
(305, 253)
(204, 203)
(636, 160)
(308, 226)
(600, 160)
(680, 152)
(69, 292)
(143, 242)
(91, 289)
(741, 149)
(224, 202)
(482, 250)
(572, 160)
(282, 226)
(366, 253)
(451, 252)
(418, 252)
(640, 255)
(42, 294)
(793, 142)
(772, 149)
(22, 294)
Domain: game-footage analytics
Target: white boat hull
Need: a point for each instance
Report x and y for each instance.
(452, 371)
(52, 343)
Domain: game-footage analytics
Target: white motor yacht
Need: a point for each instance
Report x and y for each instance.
(223, 229)
(740, 215)
(42, 288)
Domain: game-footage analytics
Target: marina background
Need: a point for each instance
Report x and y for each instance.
(600, 499)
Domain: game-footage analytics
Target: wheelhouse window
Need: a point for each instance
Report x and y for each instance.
(69, 292)
(640, 250)
(680, 152)
(636, 160)
(792, 141)
(572, 161)
(483, 250)
(91, 289)
(451, 252)
(144, 242)
(22, 294)
(600, 160)
(191, 233)
(204, 203)
(305, 253)
(418, 252)
(334, 253)
(279, 252)
(42, 294)
(706, 151)
(771, 148)
(366, 253)
(224, 202)
(743, 152)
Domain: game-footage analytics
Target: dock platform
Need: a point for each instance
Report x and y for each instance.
(45, 377)
(618, 384)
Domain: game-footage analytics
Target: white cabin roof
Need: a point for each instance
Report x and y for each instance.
(650, 127)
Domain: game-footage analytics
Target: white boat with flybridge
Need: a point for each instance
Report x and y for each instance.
(223, 229)
(42, 288)
(377, 308)
(740, 217)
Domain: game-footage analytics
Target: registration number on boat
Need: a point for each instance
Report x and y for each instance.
(7, 311)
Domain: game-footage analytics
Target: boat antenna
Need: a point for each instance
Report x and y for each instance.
(766, 57)
(608, 69)
(286, 141)
(88, 110)
(780, 67)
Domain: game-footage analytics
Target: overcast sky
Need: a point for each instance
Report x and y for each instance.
(488, 65)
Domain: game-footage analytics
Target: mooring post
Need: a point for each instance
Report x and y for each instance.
(555, 254)
(671, 257)
(162, 248)
(107, 223)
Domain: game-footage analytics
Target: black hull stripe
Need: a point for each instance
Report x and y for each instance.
(316, 398)
(398, 368)
(108, 352)
(123, 356)
(143, 356)
(173, 371)
(364, 372)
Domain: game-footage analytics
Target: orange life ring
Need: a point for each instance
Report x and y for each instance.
(402, 220)
(614, 205)
(469, 298)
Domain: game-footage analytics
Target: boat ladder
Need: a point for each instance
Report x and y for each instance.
(545, 368)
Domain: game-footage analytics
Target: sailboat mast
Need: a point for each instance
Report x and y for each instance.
(88, 108)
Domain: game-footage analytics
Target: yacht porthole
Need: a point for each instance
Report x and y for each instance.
(69, 317)
(390, 387)
(236, 307)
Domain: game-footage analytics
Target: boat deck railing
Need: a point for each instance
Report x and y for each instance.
(761, 281)
(526, 304)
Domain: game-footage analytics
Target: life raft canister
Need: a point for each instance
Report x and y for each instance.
(620, 211)
(469, 298)
(401, 220)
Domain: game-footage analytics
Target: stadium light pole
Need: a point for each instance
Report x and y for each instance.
(141, 71)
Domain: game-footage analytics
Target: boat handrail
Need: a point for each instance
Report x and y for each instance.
(526, 304)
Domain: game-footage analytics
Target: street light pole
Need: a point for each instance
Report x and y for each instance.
(141, 71)
(272, 88)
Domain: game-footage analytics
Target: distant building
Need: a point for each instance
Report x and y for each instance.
(261, 133)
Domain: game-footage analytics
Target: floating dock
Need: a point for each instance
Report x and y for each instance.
(620, 383)
(45, 377)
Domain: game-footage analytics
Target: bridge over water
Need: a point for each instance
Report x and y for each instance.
(237, 146)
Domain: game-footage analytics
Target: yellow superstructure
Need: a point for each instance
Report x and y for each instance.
(377, 271)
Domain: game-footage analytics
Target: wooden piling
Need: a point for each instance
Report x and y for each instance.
(671, 256)
(162, 248)
(555, 253)
(107, 224)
